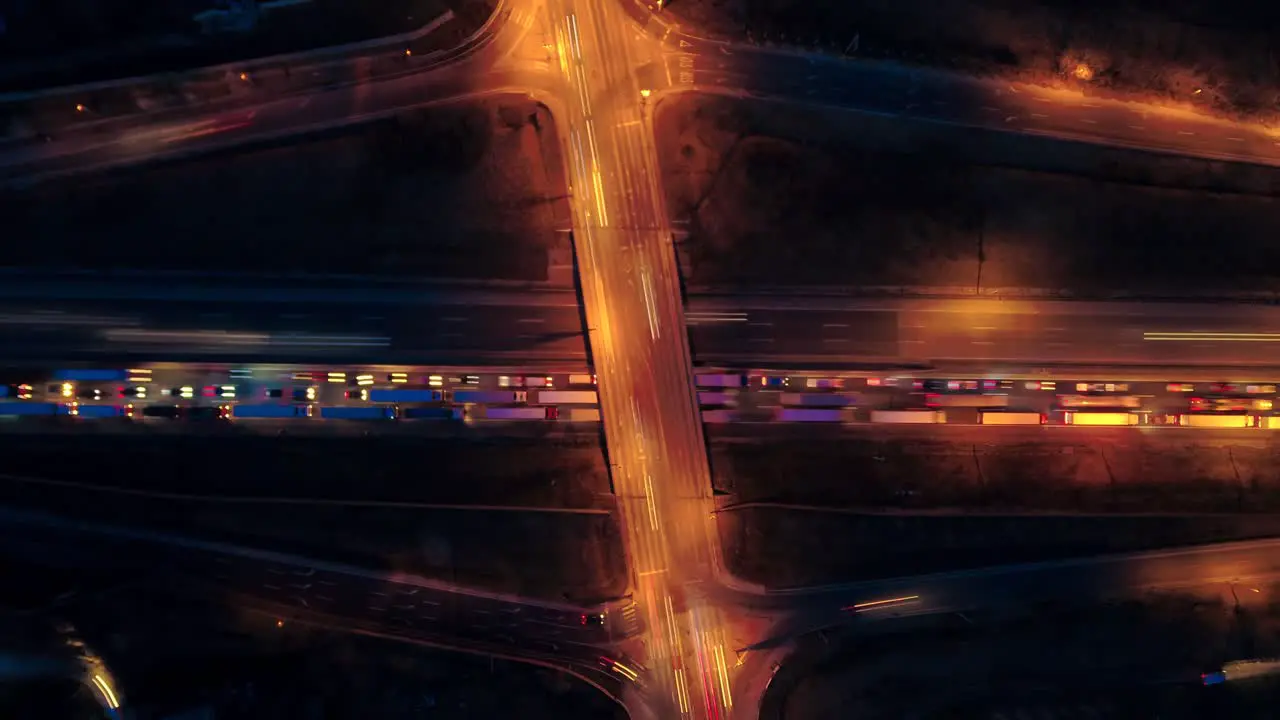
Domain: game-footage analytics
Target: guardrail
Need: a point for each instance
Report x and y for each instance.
(27, 116)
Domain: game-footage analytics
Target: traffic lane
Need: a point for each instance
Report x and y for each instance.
(276, 119)
(767, 332)
(306, 328)
(939, 96)
(925, 331)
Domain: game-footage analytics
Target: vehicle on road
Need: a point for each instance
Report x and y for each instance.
(91, 375)
(526, 381)
(833, 400)
(404, 395)
(718, 399)
(580, 414)
(1232, 420)
(19, 391)
(568, 397)
(297, 394)
(430, 413)
(13, 409)
(717, 416)
(824, 383)
(136, 392)
(720, 381)
(1099, 401)
(935, 385)
(92, 393)
(1006, 417)
(1229, 404)
(794, 414)
(1101, 418)
(495, 397)
(1102, 387)
(521, 413)
(582, 379)
(358, 412)
(908, 417)
(269, 411)
(771, 382)
(90, 412)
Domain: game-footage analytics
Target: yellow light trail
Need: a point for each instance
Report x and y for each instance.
(1211, 336)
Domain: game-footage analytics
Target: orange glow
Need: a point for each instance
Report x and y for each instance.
(79, 108)
(408, 52)
(1083, 72)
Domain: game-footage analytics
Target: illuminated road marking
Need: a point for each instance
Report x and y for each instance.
(1211, 336)
(881, 604)
(653, 510)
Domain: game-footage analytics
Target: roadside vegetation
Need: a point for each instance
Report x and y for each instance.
(772, 195)
(461, 191)
(1195, 52)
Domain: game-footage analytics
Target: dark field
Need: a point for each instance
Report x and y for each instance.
(903, 504)
(778, 196)
(461, 191)
(561, 472)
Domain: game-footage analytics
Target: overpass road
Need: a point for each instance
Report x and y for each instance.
(339, 321)
(601, 63)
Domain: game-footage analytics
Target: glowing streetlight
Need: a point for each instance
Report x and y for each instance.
(1083, 72)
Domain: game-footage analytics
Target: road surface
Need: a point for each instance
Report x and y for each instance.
(348, 321)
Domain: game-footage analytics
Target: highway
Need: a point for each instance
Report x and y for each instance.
(631, 287)
(349, 321)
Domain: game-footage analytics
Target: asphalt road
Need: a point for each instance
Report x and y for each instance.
(159, 319)
(344, 321)
(632, 297)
